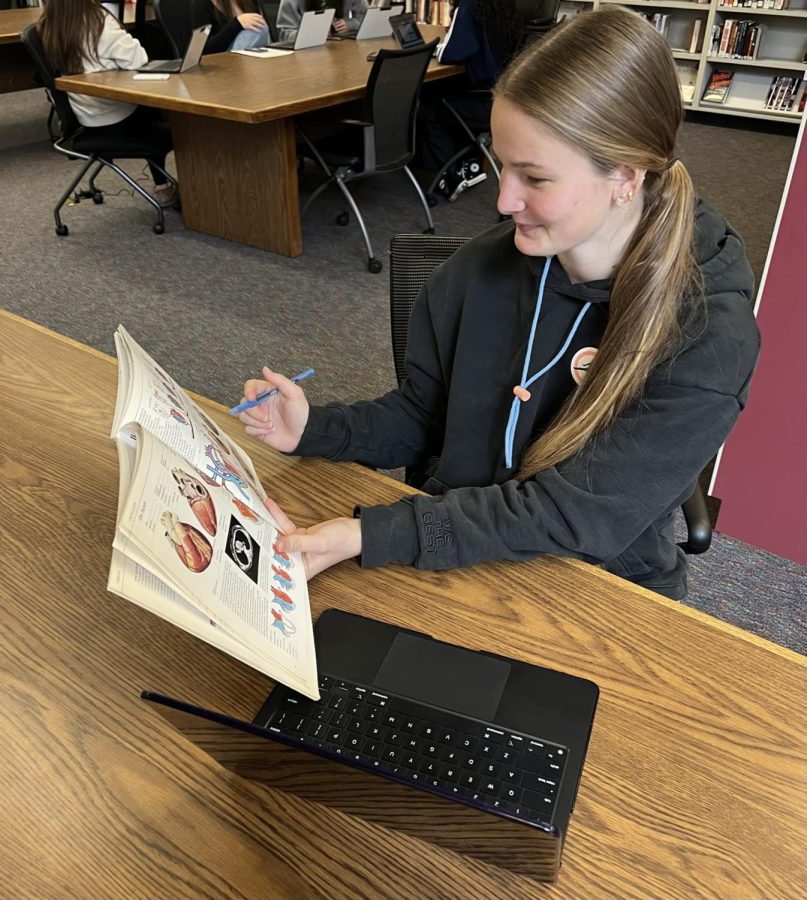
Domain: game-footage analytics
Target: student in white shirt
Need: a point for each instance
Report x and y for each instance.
(80, 36)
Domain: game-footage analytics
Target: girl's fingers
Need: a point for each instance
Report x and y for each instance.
(284, 522)
(284, 385)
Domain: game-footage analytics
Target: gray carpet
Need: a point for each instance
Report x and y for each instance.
(213, 312)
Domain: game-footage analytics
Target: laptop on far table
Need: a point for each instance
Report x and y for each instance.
(313, 31)
(405, 31)
(190, 60)
(475, 752)
(375, 24)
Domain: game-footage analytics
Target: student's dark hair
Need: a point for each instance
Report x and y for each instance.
(503, 25)
(228, 9)
(70, 30)
(606, 83)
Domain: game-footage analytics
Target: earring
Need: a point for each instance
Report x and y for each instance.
(624, 200)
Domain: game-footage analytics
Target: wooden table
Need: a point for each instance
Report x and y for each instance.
(694, 786)
(232, 119)
(16, 66)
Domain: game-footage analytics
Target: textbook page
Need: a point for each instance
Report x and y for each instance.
(136, 584)
(209, 547)
(150, 398)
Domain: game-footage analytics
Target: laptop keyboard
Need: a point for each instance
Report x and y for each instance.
(504, 770)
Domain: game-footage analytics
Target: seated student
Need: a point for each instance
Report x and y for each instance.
(574, 368)
(483, 36)
(80, 36)
(348, 18)
(236, 24)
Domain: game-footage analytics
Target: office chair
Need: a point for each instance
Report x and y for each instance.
(174, 17)
(382, 141)
(94, 145)
(413, 257)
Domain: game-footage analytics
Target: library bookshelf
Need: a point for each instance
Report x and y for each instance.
(780, 47)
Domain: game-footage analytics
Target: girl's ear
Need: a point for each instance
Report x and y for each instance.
(627, 180)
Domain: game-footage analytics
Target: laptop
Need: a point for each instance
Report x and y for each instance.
(190, 60)
(475, 752)
(313, 31)
(405, 31)
(375, 24)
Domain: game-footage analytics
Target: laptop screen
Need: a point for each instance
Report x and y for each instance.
(406, 31)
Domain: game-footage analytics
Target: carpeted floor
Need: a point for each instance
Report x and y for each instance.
(213, 312)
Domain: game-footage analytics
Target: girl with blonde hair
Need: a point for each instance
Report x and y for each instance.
(573, 368)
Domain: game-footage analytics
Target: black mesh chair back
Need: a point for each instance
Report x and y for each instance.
(68, 123)
(390, 102)
(413, 257)
(269, 12)
(175, 18)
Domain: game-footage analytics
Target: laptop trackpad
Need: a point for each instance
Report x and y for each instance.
(441, 675)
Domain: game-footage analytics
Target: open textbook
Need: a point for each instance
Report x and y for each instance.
(194, 542)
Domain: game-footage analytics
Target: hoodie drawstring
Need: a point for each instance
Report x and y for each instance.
(515, 408)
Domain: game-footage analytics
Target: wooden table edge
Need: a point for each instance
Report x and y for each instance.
(84, 84)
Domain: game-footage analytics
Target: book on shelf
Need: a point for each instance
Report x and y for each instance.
(718, 87)
(194, 542)
(696, 33)
(736, 39)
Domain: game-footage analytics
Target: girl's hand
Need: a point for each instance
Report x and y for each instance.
(280, 420)
(322, 545)
(251, 21)
(339, 26)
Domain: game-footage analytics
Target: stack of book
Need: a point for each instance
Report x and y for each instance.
(736, 38)
(756, 4)
(434, 12)
(782, 93)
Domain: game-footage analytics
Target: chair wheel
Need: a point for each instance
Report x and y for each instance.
(428, 230)
(374, 265)
(62, 230)
(98, 198)
(342, 218)
(158, 228)
(431, 200)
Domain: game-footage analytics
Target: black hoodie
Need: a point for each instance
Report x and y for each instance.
(611, 504)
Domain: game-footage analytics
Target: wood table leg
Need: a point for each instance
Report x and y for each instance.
(16, 69)
(239, 181)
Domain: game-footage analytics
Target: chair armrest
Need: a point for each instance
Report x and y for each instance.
(699, 525)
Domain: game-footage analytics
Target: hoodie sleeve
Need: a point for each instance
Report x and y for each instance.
(596, 504)
(355, 10)
(402, 428)
(462, 40)
(220, 37)
(117, 45)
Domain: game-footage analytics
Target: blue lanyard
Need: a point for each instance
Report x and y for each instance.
(526, 380)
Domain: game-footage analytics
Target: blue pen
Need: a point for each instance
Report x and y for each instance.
(248, 404)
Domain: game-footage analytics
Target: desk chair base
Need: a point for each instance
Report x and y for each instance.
(97, 195)
(480, 142)
(339, 176)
